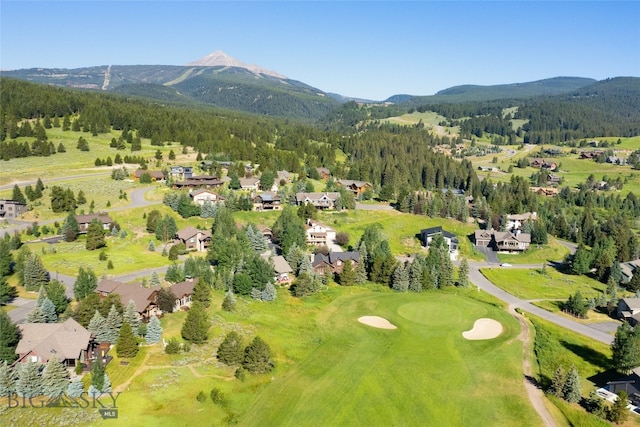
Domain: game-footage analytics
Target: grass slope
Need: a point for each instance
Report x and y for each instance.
(422, 372)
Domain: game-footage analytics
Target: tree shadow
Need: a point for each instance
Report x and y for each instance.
(602, 378)
(596, 358)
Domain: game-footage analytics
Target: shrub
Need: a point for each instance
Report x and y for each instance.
(103, 255)
(201, 397)
(241, 373)
(218, 397)
(173, 347)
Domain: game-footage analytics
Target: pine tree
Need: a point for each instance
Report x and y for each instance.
(305, 265)
(6, 259)
(113, 324)
(34, 273)
(75, 388)
(619, 412)
(231, 349)
(97, 375)
(558, 383)
(361, 273)
(229, 302)
(400, 279)
(196, 326)
(36, 316)
(154, 331)
(8, 378)
(294, 257)
(29, 383)
(86, 283)
(571, 389)
(55, 378)
(463, 273)
(416, 274)
(57, 293)
(98, 327)
(625, 349)
(257, 357)
(154, 281)
(70, 228)
(17, 195)
(202, 293)
(348, 275)
(269, 293)
(48, 311)
(95, 236)
(9, 338)
(151, 247)
(127, 345)
(7, 292)
(131, 316)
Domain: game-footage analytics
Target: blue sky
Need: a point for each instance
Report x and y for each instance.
(362, 49)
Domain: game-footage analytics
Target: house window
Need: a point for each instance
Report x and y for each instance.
(34, 359)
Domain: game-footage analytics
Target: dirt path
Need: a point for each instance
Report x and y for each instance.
(536, 396)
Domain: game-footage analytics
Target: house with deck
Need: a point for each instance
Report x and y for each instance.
(183, 292)
(356, 187)
(194, 239)
(427, 235)
(319, 234)
(503, 241)
(144, 298)
(323, 201)
(334, 261)
(203, 195)
(267, 201)
(11, 209)
(102, 218)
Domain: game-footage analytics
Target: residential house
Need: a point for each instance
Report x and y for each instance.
(590, 154)
(319, 234)
(630, 384)
(628, 269)
(427, 235)
(183, 292)
(454, 191)
(334, 261)
(282, 270)
(553, 179)
(629, 310)
(543, 164)
(203, 195)
(85, 220)
(326, 200)
(194, 239)
(68, 341)
(356, 187)
(155, 175)
(201, 181)
(181, 173)
(251, 184)
(144, 298)
(616, 160)
(513, 222)
(267, 201)
(324, 173)
(503, 241)
(545, 191)
(266, 232)
(283, 177)
(11, 209)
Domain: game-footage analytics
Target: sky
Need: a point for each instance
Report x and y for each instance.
(362, 49)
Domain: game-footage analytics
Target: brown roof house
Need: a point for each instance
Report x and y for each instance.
(282, 269)
(85, 220)
(267, 201)
(251, 184)
(324, 173)
(194, 239)
(356, 187)
(326, 200)
(183, 292)
(144, 298)
(69, 342)
(503, 241)
(202, 195)
(334, 261)
(155, 175)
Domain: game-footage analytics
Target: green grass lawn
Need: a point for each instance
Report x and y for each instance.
(531, 284)
(429, 118)
(553, 251)
(424, 370)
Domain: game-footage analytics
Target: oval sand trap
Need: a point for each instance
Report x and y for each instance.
(377, 322)
(484, 329)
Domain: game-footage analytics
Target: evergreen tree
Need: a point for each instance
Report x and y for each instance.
(269, 293)
(615, 272)
(55, 378)
(571, 390)
(8, 378)
(196, 326)
(97, 375)
(151, 247)
(113, 323)
(29, 383)
(131, 316)
(17, 195)
(57, 293)
(154, 331)
(98, 327)
(415, 274)
(166, 228)
(294, 257)
(257, 357)
(36, 316)
(75, 388)
(400, 279)
(463, 273)
(289, 229)
(625, 349)
(619, 412)
(305, 266)
(70, 228)
(202, 293)
(6, 259)
(634, 283)
(86, 283)
(48, 311)
(34, 273)
(229, 302)
(154, 281)
(127, 345)
(152, 220)
(231, 349)
(95, 236)
(348, 274)
(7, 292)
(361, 273)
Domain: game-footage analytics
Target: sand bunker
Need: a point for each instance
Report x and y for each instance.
(377, 322)
(484, 329)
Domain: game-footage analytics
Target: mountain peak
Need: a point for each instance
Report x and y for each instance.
(219, 58)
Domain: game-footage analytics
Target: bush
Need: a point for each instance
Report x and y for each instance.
(218, 397)
(201, 397)
(103, 255)
(241, 373)
(172, 347)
